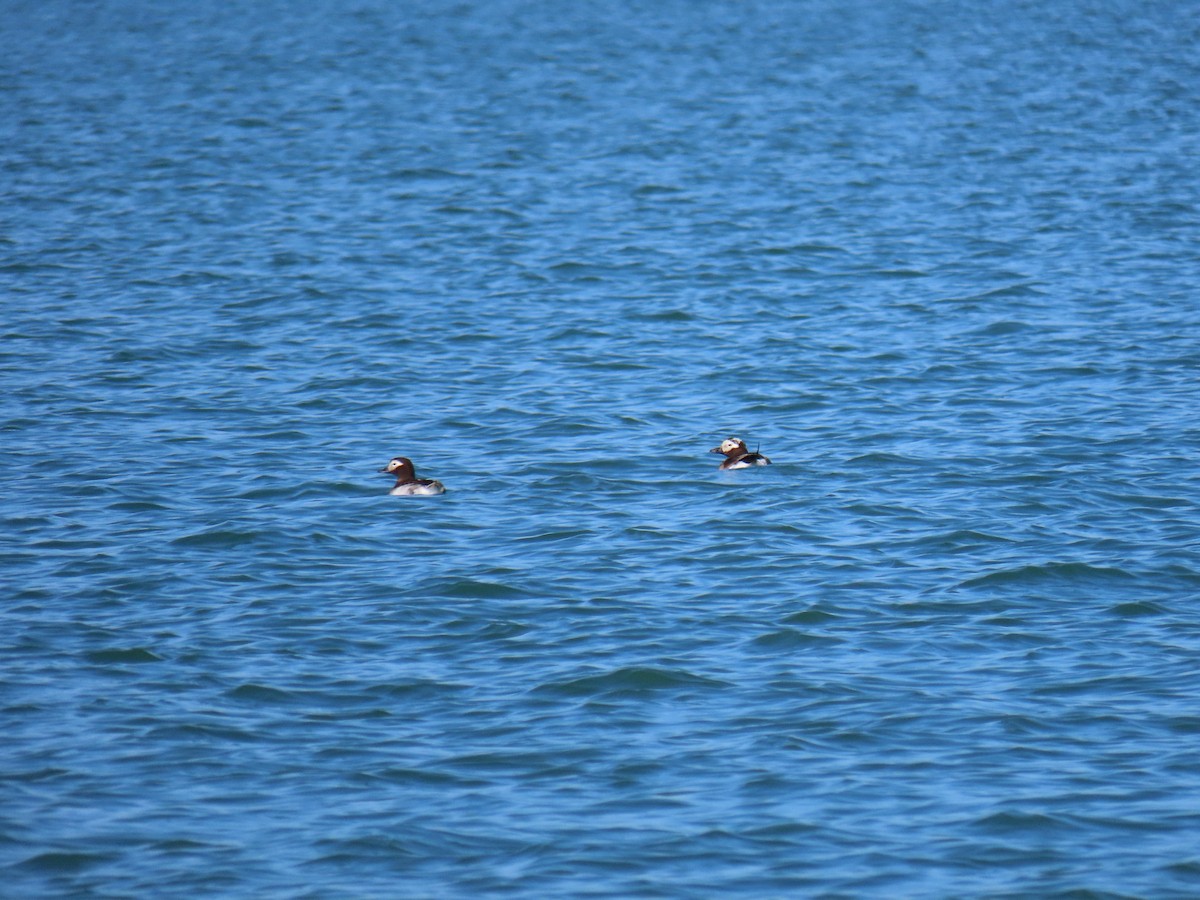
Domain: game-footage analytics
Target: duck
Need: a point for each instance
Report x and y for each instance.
(407, 482)
(737, 456)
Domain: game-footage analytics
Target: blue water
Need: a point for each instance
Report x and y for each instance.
(941, 261)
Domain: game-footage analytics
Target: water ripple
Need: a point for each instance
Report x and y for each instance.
(938, 264)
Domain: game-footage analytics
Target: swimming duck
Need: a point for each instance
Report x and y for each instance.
(737, 456)
(407, 482)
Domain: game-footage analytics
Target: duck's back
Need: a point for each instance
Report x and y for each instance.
(745, 461)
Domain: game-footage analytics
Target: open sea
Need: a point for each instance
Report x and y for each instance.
(940, 260)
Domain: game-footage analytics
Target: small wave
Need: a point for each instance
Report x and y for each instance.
(880, 458)
(969, 536)
(1020, 289)
(250, 122)
(788, 638)
(1011, 821)
(261, 693)
(117, 655)
(64, 862)
(1137, 609)
(413, 689)
(564, 534)
(1002, 328)
(816, 249)
(481, 590)
(217, 537)
(811, 616)
(901, 273)
(1146, 501)
(630, 680)
(1072, 572)
(401, 775)
(649, 190)
(138, 506)
(47, 774)
(664, 315)
(428, 173)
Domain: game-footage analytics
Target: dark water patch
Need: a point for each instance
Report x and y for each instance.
(420, 689)
(608, 364)
(885, 459)
(70, 546)
(1079, 574)
(118, 656)
(966, 538)
(35, 775)
(791, 638)
(812, 616)
(260, 694)
(1114, 685)
(396, 852)
(1138, 609)
(649, 190)
(425, 776)
(533, 764)
(471, 589)
(664, 316)
(429, 173)
(1014, 822)
(900, 273)
(217, 538)
(1150, 502)
(633, 680)
(203, 731)
(65, 862)
(139, 506)
(1188, 870)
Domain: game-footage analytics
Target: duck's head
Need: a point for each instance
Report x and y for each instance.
(730, 447)
(399, 466)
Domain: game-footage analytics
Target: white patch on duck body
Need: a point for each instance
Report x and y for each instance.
(422, 488)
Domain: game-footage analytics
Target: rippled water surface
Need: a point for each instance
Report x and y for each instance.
(939, 260)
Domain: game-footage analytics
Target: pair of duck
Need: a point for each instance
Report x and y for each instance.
(409, 485)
